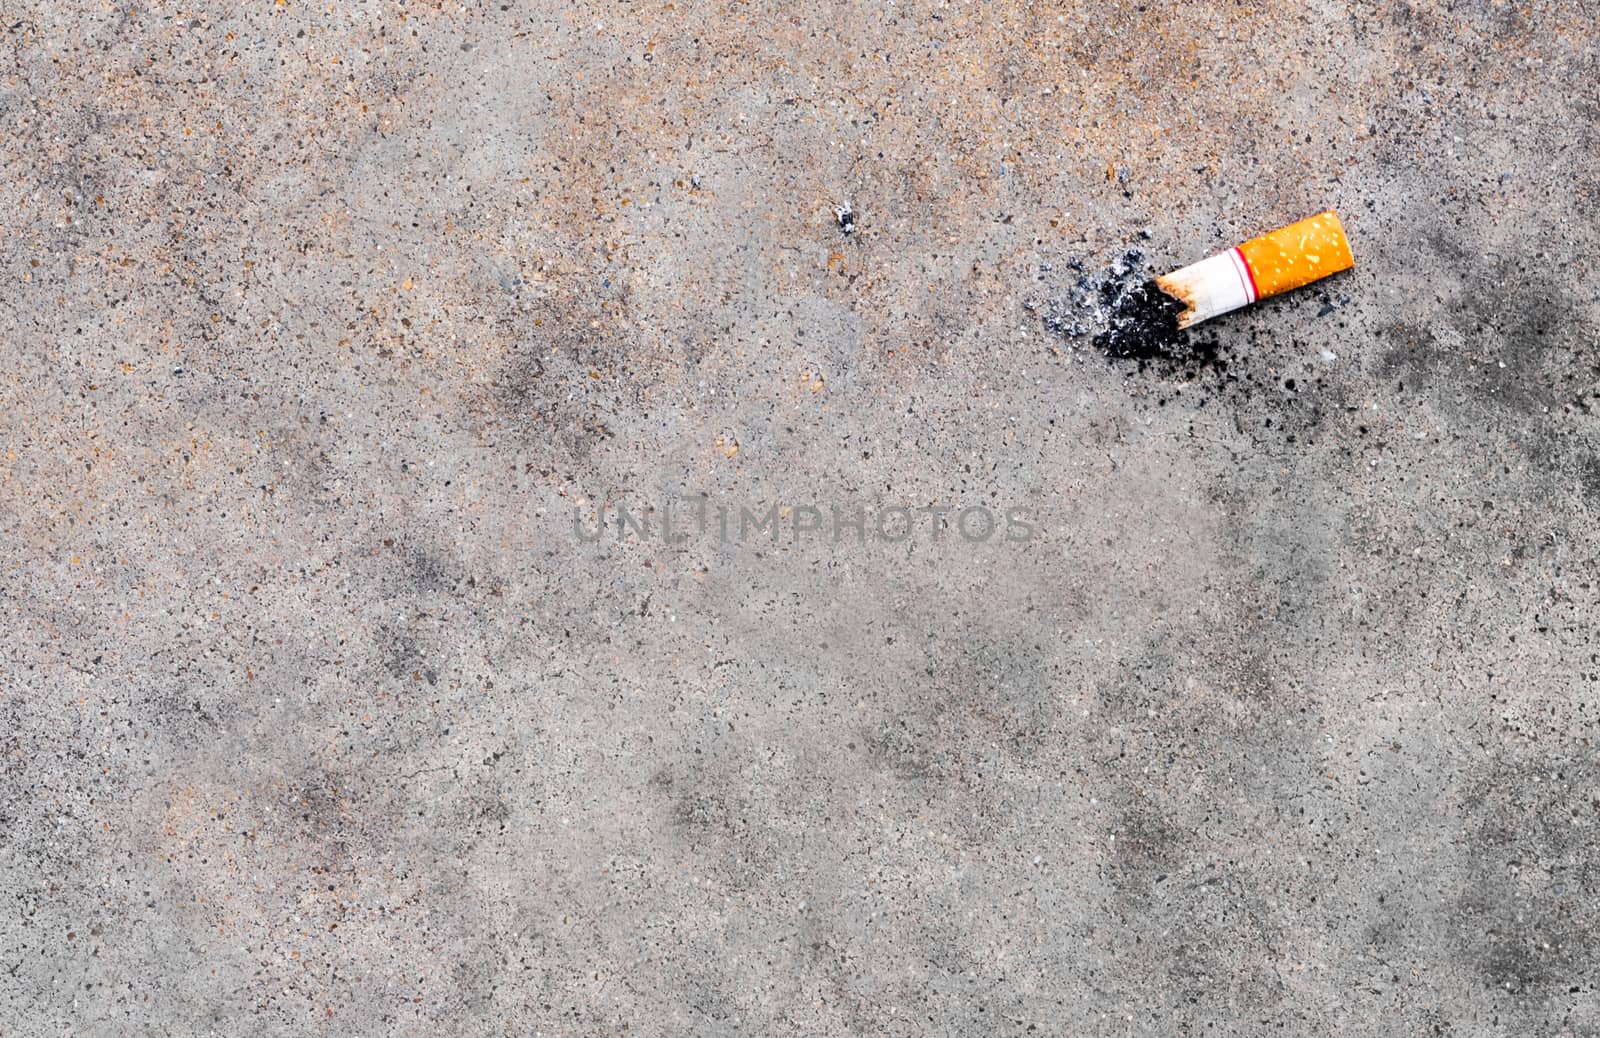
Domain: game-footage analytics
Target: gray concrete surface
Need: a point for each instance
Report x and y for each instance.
(321, 320)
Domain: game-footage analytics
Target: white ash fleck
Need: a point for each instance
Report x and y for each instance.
(846, 218)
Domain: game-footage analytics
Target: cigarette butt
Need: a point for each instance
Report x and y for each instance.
(1266, 266)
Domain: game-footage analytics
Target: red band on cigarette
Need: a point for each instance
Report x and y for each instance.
(1248, 273)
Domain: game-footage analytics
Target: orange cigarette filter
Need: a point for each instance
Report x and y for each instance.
(1276, 262)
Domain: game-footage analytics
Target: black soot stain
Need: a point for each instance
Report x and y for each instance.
(1143, 323)
(1121, 314)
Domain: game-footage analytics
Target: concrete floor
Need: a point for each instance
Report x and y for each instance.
(1269, 706)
